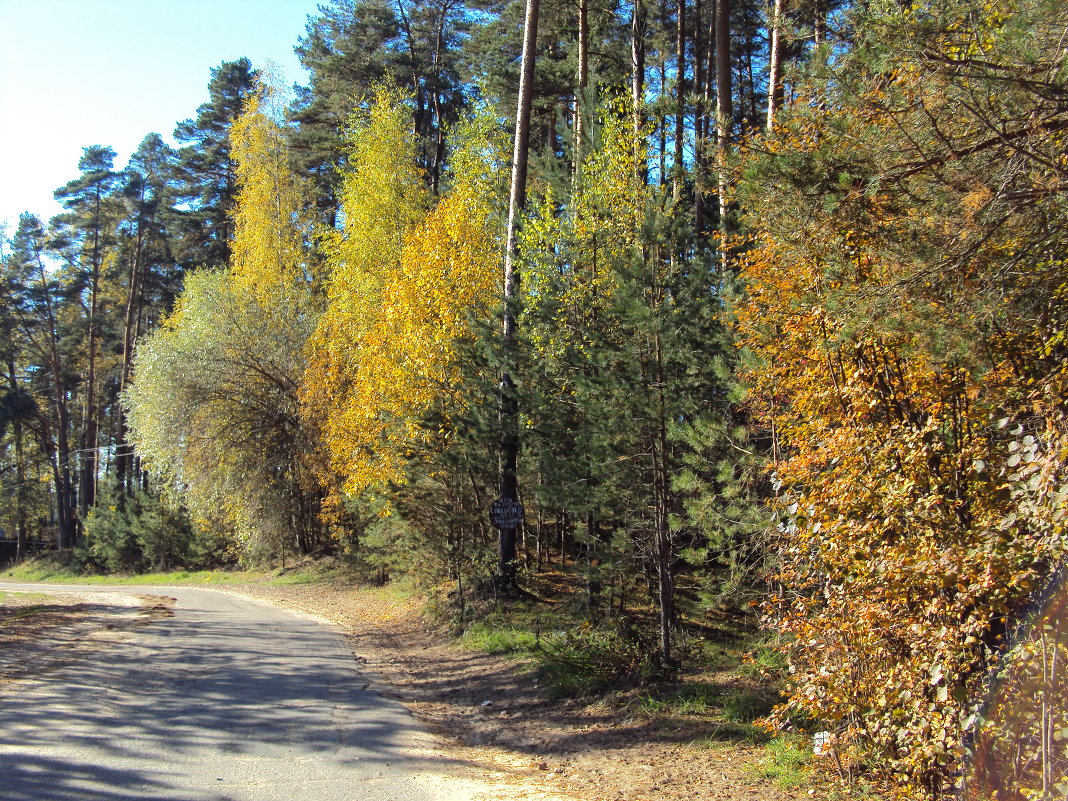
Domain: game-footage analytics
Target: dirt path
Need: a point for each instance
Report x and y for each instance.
(40, 631)
(232, 698)
(484, 703)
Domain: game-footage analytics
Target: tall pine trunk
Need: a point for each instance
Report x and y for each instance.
(509, 459)
(582, 79)
(700, 114)
(680, 96)
(637, 84)
(134, 298)
(775, 83)
(724, 105)
(20, 471)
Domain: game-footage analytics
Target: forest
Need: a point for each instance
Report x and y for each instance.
(758, 308)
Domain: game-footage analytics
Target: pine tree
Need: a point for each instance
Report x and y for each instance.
(208, 181)
(86, 234)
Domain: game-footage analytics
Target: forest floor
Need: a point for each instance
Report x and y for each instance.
(490, 707)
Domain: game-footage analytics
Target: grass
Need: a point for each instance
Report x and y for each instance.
(787, 761)
(21, 595)
(691, 698)
(51, 568)
(488, 639)
(51, 571)
(764, 658)
(22, 611)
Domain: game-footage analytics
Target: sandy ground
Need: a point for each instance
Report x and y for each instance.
(40, 632)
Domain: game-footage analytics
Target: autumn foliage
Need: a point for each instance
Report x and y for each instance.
(906, 303)
(852, 325)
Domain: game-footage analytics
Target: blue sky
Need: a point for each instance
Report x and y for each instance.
(75, 73)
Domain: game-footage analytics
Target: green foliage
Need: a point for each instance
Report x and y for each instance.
(585, 659)
(135, 532)
(496, 640)
(214, 410)
(626, 387)
(206, 169)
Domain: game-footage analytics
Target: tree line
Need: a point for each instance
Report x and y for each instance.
(785, 328)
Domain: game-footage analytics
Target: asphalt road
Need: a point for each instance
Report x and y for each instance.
(231, 700)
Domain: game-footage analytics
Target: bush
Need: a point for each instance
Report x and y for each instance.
(137, 533)
(588, 660)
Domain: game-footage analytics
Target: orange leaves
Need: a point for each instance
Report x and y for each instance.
(888, 333)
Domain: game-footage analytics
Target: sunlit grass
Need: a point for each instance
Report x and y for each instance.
(44, 569)
(787, 761)
(498, 640)
(51, 569)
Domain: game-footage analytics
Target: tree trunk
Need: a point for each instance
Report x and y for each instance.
(724, 105)
(89, 443)
(57, 447)
(700, 112)
(680, 96)
(509, 458)
(819, 22)
(582, 79)
(20, 471)
(663, 125)
(637, 84)
(775, 89)
(123, 451)
(664, 541)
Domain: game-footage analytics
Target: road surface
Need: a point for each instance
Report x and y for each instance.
(230, 700)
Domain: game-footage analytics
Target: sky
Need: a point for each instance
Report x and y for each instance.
(75, 73)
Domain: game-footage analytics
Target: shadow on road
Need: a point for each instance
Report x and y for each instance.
(221, 701)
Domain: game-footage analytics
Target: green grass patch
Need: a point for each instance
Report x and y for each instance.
(51, 570)
(498, 640)
(688, 698)
(54, 568)
(747, 704)
(722, 700)
(764, 659)
(722, 733)
(4, 596)
(787, 761)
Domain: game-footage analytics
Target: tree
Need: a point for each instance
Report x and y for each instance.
(628, 357)
(896, 293)
(151, 275)
(214, 408)
(214, 411)
(354, 45)
(36, 300)
(206, 167)
(516, 201)
(86, 236)
(384, 199)
(347, 50)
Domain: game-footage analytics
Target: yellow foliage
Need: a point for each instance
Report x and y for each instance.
(401, 289)
(269, 224)
(602, 224)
